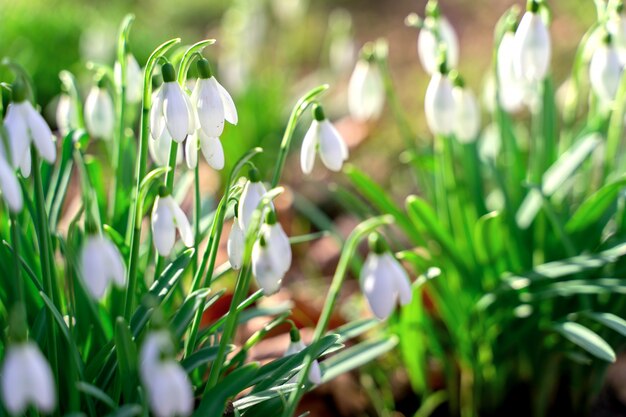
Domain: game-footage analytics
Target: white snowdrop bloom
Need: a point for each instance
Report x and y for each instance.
(100, 113)
(532, 46)
(322, 136)
(616, 25)
(384, 281)
(24, 126)
(66, 114)
(169, 389)
(212, 102)
(605, 71)
(271, 255)
(171, 108)
(235, 246)
(27, 379)
(210, 146)
(167, 217)
(134, 78)
(160, 149)
(439, 104)
(297, 346)
(467, 120)
(253, 192)
(366, 91)
(9, 185)
(101, 263)
(437, 33)
(511, 89)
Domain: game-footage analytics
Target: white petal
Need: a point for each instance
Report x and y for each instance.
(212, 151)
(511, 87)
(230, 111)
(10, 187)
(25, 163)
(41, 134)
(605, 72)
(175, 111)
(315, 373)
(134, 80)
(532, 48)
(428, 46)
(66, 115)
(181, 386)
(265, 270)
(250, 198)
(467, 120)
(191, 151)
(181, 222)
(209, 107)
(115, 263)
(41, 380)
(439, 105)
(309, 147)
(278, 244)
(333, 150)
(100, 114)
(160, 149)
(295, 347)
(366, 92)
(235, 246)
(399, 277)
(378, 287)
(94, 267)
(15, 382)
(155, 343)
(193, 117)
(157, 122)
(163, 227)
(19, 140)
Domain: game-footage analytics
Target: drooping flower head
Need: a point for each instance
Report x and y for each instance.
(532, 45)
(171, 108)
(439, 105)
(366, 91)
(296, 345)
(271, 255)
(511, 90)
(134, 78)
(436, 33)
(101, 263)
(66, 114)
(253, 192)
(100, 112)
(9, 185)
(323, 137)
(383, 280)
(467, 120)
(24, 126)
(605, 70)
(167, 217)
(235, 246)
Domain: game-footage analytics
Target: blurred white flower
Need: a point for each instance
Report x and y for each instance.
(511, 89)
(134, 78)
(297, 346)
(384, 282)
(366, 91)
(467, 120)
(322, 136)
(616, 25)
(9, 185)
(439, 104)
(24, 126)
(167, 217)
(271, 255)
(27, 379)
(100, 113)
(66, 114)
(605, 71)
(210, 146)
(235, 246)
(160, 149)
(342, 48)
(168, 387)
(101, 263)
(437, 33)
(171, 108)
(532, 46)
(251, 195)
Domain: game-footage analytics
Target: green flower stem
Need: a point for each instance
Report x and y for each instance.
(15, 242)
(135, 213)
(349, 249)
(196, 218)
(296, 113)
(169, 176)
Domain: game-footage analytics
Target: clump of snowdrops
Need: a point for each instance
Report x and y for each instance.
(103, 316)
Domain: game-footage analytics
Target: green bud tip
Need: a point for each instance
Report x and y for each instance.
(620, 7)
(163, 191)
(101, 82)
(18, 329)
(254, 175)
(432, 9)
(607, 38)
(457, 79)
(377, 244)
(236, 209)
(294, 334)
(270, 217)
(532, 6)
(204, 69)
(169, 73)
(443, 59)
(368, 52)
(19, 90)
(262, 241)
(318, 112)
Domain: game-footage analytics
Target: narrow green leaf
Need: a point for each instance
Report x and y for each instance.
(594, 207)
(126, 358)
(96, 393)
(610, 320)
(355, 357)
(202, 357)
(586, 339)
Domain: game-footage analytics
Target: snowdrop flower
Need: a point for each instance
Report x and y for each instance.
(27, 379)
(366, 91)
(134, 78)
(167, 217)
(439, 103)
(235, 245)
(467, 120)
(169, 390)
(9, 185)
(532, 46)
(437, 32)
(297, 346)
(211, 149)
(511, 88)
(605, 70)
(25, 126)
(383, 280)
(616, 25)
(100, 112)
(66, 114)
(322, 136)
(100, 264)
(253, 192)
(171, 108)
(160, 149)
(271, 255)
